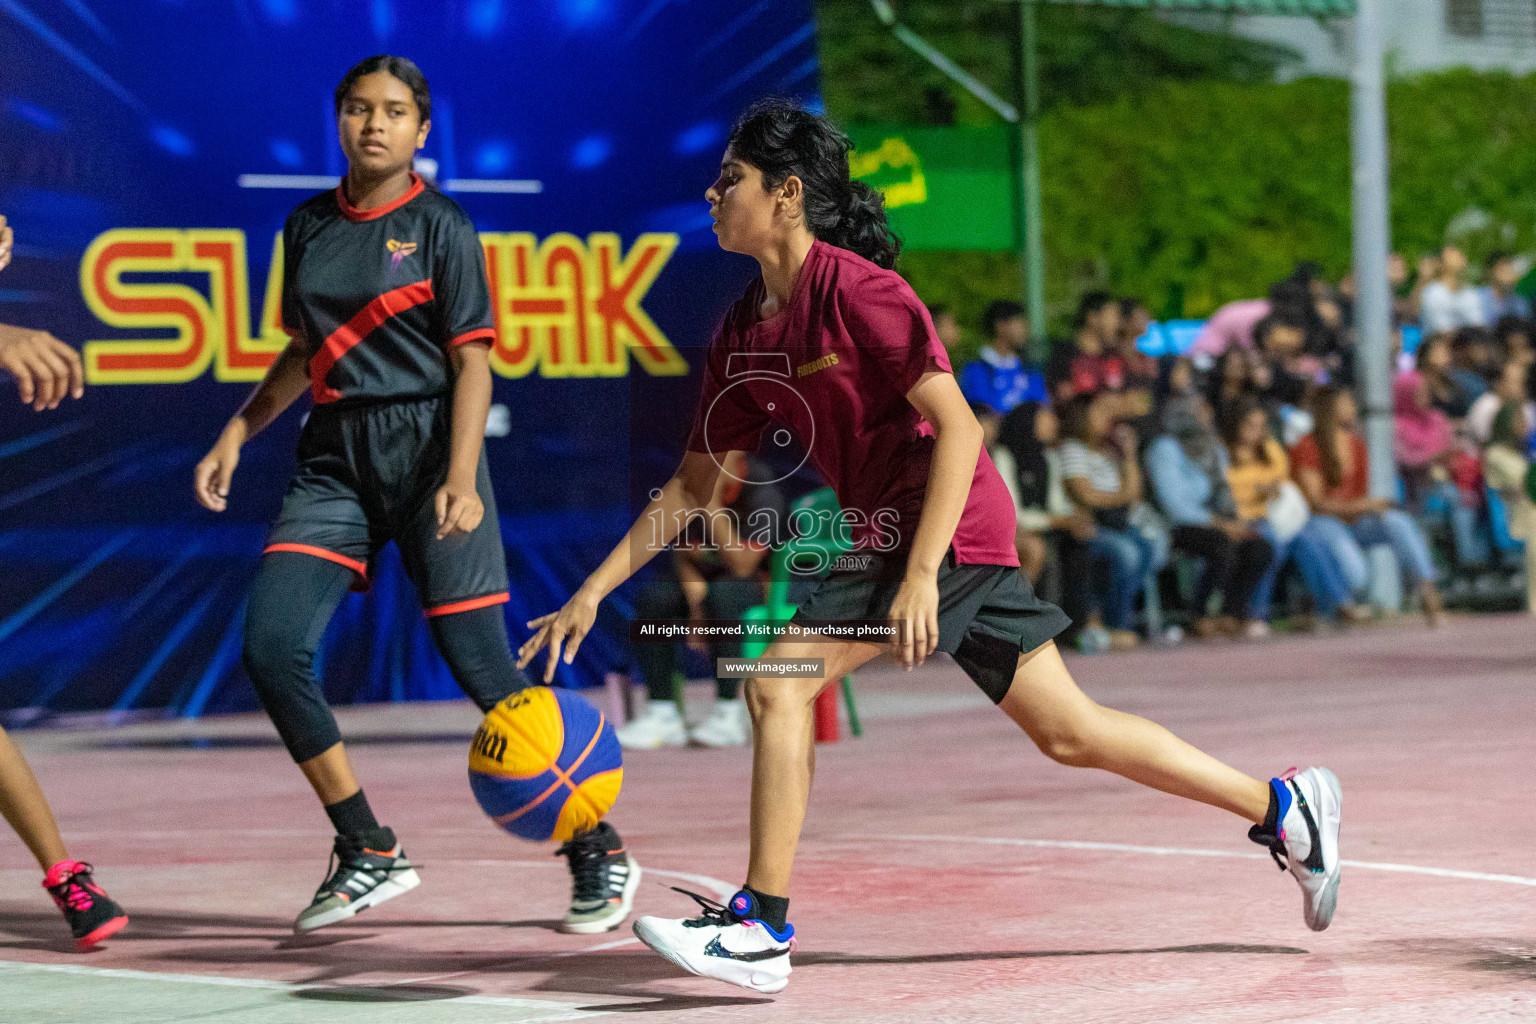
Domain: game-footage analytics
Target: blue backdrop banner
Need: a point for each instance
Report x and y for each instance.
(149, 154)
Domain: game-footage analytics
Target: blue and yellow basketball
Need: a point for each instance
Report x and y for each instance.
(545, 764)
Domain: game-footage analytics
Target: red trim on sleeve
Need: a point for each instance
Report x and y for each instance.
(354, 214)
(347, 336)
(468, 606)
(330, 556)
(487, 334)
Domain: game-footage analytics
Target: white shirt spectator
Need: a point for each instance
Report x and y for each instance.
(1481, 415)
(1442, 309)
(1078, 460)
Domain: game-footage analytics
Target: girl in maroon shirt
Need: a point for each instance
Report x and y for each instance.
(831, 343)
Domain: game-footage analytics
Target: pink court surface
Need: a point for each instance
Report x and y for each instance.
(949, 872)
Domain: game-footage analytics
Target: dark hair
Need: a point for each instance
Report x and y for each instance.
(1074, 417)
(780, 139)
(1512, 324)
(1325, 428)
(1466, 337)
(402, 68)
(1090, 304)
(1428, 345)
(1278, 318)
(997, 311)
(1496, 257)
(938, 309)
(1232, 416)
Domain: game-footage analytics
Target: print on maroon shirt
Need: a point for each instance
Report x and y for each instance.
(834, 367)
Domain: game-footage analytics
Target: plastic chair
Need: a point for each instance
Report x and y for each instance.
(817, 513)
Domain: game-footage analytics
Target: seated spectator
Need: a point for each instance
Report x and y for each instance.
(1001, 378)
(1141, 370)
(1507, 468)
(990, 422)
(1231, 378)
(1306, 299)
(1026, 457)
(1501, 272)
(1259, 475)
(1331, 468)
(1188, 471)
(1508, 387)
(1442, 481)
(1474, 360)
(1449, 391)
(1091, 364)
(1282, 373)
(717, 571)
(1448, 303)
(946, 326)
(1177, 380)
(1104, 481)
(1230, 327)
(1513, 338)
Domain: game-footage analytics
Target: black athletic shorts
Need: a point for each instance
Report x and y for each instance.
(369, 475)
(988, 614)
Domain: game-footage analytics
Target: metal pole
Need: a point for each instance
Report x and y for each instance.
(1372, 243)
(1033, 256)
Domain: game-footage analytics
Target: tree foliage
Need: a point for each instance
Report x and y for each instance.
(1190, 178)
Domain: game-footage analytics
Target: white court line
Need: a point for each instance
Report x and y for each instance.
(562, 1011)
(1068, 844)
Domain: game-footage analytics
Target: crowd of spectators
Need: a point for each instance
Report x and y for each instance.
(1221, 490)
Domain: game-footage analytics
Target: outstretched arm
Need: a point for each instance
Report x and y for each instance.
(696, 486)
(287, 378)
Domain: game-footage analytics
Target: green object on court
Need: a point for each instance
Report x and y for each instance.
(816, 516)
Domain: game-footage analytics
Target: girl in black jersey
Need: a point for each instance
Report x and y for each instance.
(386, 301)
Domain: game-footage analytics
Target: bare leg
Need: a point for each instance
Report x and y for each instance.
(24, 806)
(1070, 728)
(330, 773)
(784, 756)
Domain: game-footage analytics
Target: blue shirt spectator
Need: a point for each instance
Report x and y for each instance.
(1498, 296)
(1000, 378)
(1185, 491)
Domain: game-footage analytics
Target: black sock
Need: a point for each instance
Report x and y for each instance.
(1272, 816)
(352, 816)
(771, 910)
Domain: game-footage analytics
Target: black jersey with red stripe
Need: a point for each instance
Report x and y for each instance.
(380, 296)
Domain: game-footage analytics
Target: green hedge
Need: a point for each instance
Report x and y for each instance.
(1193, 194)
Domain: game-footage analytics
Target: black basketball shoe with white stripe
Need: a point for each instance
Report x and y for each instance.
(604, 878)
(1302, 833)
(362, 877)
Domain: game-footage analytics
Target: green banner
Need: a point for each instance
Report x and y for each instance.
(944, 188)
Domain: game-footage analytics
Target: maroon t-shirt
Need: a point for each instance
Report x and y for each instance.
(835, 367)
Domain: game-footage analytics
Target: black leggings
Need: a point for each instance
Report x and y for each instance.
(290, 605)
(1232, 568)
(727, 598)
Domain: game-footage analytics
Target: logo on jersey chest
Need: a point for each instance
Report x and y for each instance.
(398, 251)
(806, 369)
